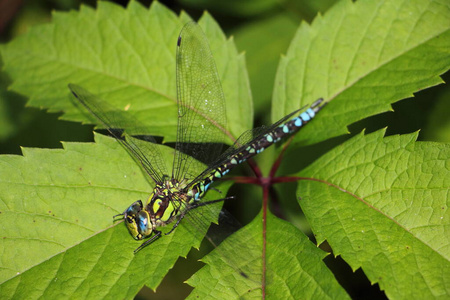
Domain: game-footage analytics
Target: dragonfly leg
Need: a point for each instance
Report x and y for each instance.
(151, 240)
(216, 190)
(114, 217)
(118, 215)
(133, 209)
(210, 202)
(176, 224)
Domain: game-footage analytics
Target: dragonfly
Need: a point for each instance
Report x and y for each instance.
(201, 132)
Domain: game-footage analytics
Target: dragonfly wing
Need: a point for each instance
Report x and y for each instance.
(126, 129)
(201, 107)
(240, 257)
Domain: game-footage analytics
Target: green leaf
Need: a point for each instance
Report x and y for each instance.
(220, 280)
(127, 57)
(363, 56)
(382, 204)
(56, 210)
(294, 266)
(7, 126)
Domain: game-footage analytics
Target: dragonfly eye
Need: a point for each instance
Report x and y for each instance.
(133, 217)
(133, 209)
(139, 225)
(144, 225)
(133, 227)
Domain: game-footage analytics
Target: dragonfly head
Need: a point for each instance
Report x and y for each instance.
(138, 221)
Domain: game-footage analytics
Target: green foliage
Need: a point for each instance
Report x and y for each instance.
(369, 54)
(384, 202)
(6, 123)
(125, 56)
(380, 202)
(288, 250)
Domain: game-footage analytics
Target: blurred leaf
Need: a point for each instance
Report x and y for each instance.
(438, 128)
(235, 7)
(263, 42)
(7, 126)
(363, 56)
(308, 9)
(382, 204)
(30, 15)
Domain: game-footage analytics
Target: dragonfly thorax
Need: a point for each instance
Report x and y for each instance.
(165, 203)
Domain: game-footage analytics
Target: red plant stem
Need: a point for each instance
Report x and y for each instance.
(255, 168)
(288, 179)
(265, 185)
(277, 163)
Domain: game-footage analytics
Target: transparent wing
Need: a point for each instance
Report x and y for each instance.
(240, 257)
(125, 128)
(201, 107)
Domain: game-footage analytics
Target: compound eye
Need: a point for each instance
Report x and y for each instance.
(144, 225)
(134, 219)
(134, 209)
(133, 227)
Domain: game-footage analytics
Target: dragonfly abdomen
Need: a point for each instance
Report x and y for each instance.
(275, 135)
(258, 145)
